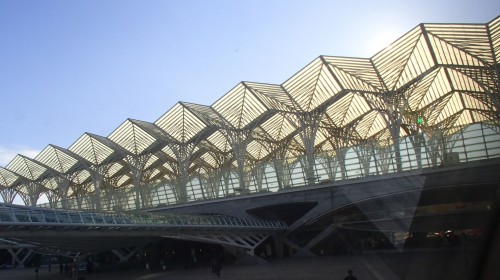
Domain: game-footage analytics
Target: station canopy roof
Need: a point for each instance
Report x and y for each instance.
(443, 75)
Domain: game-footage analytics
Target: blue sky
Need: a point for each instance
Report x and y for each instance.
(69, 67)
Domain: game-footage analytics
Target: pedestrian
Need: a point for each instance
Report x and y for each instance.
(71, 269)
(36, 271)
(218, 266)
(66, 268)
(350, 276)
(214, 264)
(37, 267)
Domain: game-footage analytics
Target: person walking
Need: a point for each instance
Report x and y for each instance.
(218, 265)
(214, 264)
(37, 267)
(350, 276)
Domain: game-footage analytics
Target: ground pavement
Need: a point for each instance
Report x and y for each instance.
(369, 266)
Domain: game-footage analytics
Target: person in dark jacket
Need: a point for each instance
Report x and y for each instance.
(350, 276)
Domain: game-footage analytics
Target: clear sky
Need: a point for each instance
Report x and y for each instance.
(69, 67)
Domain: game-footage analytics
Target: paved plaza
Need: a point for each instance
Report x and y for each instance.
(369, 266)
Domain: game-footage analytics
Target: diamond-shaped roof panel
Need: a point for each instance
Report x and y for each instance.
(356, 74)
(205, 113)
(83, 176)
(58, 159)
(7, 178)
(460, 44)
(93, 148)
(134, 138)
(494, 28)
(28, 168)
(349, 107)
(181, 123)
(403, 60)
(312, 86)
(278, 127)
(274, 97)
(239, 107)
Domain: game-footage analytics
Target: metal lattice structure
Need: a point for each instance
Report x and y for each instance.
(427, 87)
(81, 231)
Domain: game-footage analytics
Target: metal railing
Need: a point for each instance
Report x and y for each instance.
(32, 215)
(414, 152)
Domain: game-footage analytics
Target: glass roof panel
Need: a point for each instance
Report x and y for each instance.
(312, 86)
(153, 130)
(392, 60)
(327, 146)
(205, 113)
(257, 150)
(371, 124)
(57, 159)
(346, 109)
(273, 97)
(168, 167)
(81, 177)
(357, 74)
(464, 118)
(218, 140)
(428, 89)
(337, 111)
(151, 161)
(494, 27)
(51, 184)
(116, 168)
(124, 181)
(27, 167)
(278, 127)
(462, 82)
(464, 44)
(449, 54)
(208, 160)
(180, 123)
(452, 107)
(418, 63)
(239, 107)
(483, 116)
(7, 177)
(132, 138)
(473, 103)
(154, 174)
(320, 138)
(433, 111)
(167, 150)
(357, 108)
(91, 149)
(439, 88)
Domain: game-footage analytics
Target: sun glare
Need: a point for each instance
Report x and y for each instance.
(380, 40)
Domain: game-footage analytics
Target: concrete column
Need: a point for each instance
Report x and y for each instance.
(243, 256)
(300, 251)
(15, 255)
(123, 254)
(278, 245)
(320, 237)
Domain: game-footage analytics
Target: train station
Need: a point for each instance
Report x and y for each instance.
(395, 154)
